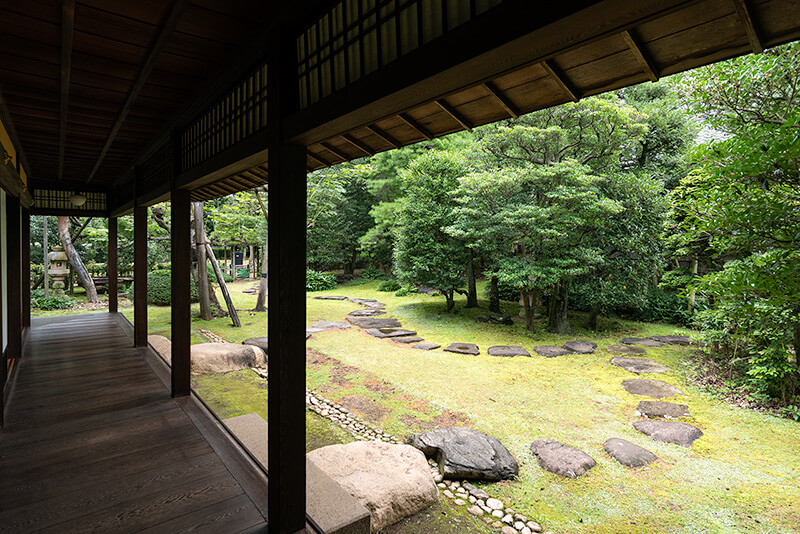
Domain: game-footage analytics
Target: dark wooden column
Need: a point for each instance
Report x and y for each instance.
(286, 461)
(140, 276)
(26, 268)
(112, 266)
(181, 297)
(13, 223)
(3, 361)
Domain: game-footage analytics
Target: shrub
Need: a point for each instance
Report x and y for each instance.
(317, 281)
(53, 302)
(370, 272)
(159, 288)
(505, 291)
(402, 292)
(212, 276)
(388, 285)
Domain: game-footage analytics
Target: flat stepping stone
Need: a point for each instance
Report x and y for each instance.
(463, 348)
(625, 349)
(390, 332)
(330, 297)
(313, 330)
(647, 342)
(260, 342)
(329, 324)
(369, 312)
(650, 388)
(672, 340)
(508, 351)
(667, 410)
(580, 346)
(550, 351)
(561, 459)
(639, 365)
(373, 322)
(370, 303)
(426, 346)
(682, 434)
(407, 339)
(627, 453)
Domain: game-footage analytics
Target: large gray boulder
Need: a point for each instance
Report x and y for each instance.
(225, 357)
(260, 342)
(465, 453)
(627, 453)
(561, 459)
(682, 434)
(639, 365)
(650, 388)
(391, 481)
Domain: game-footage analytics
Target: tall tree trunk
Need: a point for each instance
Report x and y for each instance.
(494, 296)
(692, 290)
(252, 267)
(203, 287)
(594, 312)
(261, 302)
(450, 301)
(222, 285)
(557, 321)
(75, 260)
(472, 291)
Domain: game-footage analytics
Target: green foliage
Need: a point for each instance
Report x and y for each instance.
(159, 288)
(388, 285)
(370, 272)
(402, 292)
(505, 291)
(53, 302)
(212, 275)
(317, 281)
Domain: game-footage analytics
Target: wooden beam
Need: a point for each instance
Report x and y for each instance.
(333, 150)
(14, 277)
(460, 119)
(162, 35)
(749, 25)
(383, 135)
(414, 126)
(557, 77)
(67, 32)
(501, 99)
(25, 259)
(358, 144)
(318, 159)
(181, 311)
(647, 64)
(113, 266)
(140, 276)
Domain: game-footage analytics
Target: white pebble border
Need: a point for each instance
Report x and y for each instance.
(211, 336)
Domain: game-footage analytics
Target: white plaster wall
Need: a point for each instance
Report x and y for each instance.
(4, 256)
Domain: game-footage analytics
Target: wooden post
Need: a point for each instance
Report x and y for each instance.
(46, 261)
(140, 276)
(112, 266)
(286, 461)
(14, 278)
(181, 293)
(25, 288)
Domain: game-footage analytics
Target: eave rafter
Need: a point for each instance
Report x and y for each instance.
(749, 26)
(383, 135)
(67, 33)
(358, 144)
(333, 150)
(560, 80)
(501, 99)
(647, 64)
(415, 126)
(447, 108)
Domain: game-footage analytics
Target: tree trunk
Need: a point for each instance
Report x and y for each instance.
(692, 289)
(796, 342)
(593, 313)
(75, 260)
(251, 268)
(450, 301)
(557, 321)
(526, 298)
(494, 296)
(261, 302)
(223, 286)
(472, 291)
(203, 288)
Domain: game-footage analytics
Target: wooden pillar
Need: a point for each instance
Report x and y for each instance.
(286, 461)
(3, 360)
(26, 268)
(112, 266)
(14, 262)
(181, 293)
(140, 276)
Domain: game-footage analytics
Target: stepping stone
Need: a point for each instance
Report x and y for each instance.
(495, 318)
(371, 303)
(650, 388)
(508, 350)
(647, 342)
(625, 349)
(407, 339)
(639, 365)
(682, 434)
(561, 459)
(426, 346)
(373, 322)
(627, 453)
(331, 297)
(463, 348)
(389, 332)
(668, 410)
(672, 340)
(313, 330)
(580, 346)
(329, 324)
(369, 312)
(260, 342)
(550, 351)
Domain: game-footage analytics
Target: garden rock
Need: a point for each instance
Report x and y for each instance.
(327, 325)
(561, 459)
(675, 432)
(627, 453)
(370, 303)
(331, 297)
(626, 349)
(550, 351)
(508, 350)
(225, 357)
(313, 330)
(389, 332)
(639, 365)
(426, 346)
(580, 346)
(650, 388)
(647, 342)
(465, 453)
(161, 345)
(391, 481)
(667, 410)
(369, 312)
(495, 318)
(373, 322)
(672, 340)
(260, 342)
(407, 339)
(463, 348)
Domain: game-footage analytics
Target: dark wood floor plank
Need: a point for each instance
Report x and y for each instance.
(229, 516)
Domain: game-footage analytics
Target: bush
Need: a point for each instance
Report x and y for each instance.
(317, 281)
(505, 290)
(159, 288)
(212, 276)
(666, 307)
(54, 302)
(388, 285)
(371, 273)
(402, 292)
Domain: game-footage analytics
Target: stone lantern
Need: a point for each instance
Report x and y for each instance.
(59, 269)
